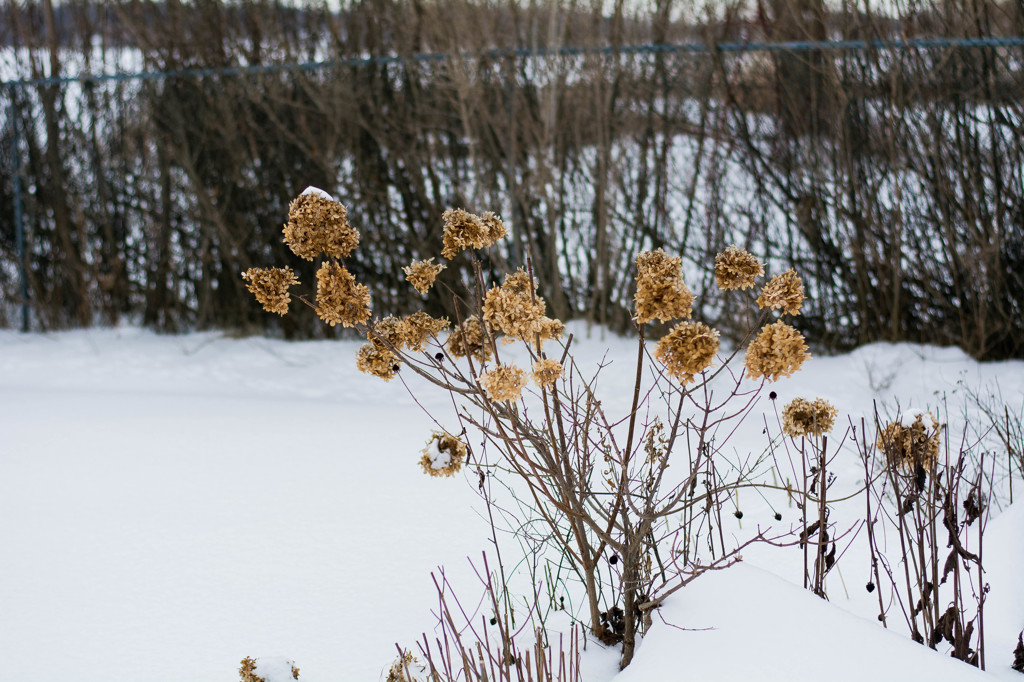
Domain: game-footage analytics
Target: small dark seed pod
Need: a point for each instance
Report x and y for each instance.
(870, 587)
(494, 621)
(773, 395)
(778, 516)
(439, 356)
(614, 560)
(738, 514)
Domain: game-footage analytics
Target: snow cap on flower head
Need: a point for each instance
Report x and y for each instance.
(443, 455)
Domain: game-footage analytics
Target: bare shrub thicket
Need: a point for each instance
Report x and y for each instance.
(892, 177)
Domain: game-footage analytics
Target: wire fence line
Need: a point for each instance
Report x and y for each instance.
(796, 46)
(144, 194)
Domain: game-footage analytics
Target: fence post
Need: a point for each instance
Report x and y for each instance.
(19, 224)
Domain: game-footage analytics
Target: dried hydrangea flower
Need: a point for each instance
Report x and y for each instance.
(422, 273)
(468, 339)
(912, 442)
(339, 299)
(687, 350)
(660, 290)
(784, 291)
(503, 384)
(407, 668)
(378, 361)
(514, 308)
(736, 269)
(318, 224)
(801, 417)
(547, 371)
(777, 351)
(270, 287)
(464, 230)
(550, 329)
(443, 455)
(419, 327)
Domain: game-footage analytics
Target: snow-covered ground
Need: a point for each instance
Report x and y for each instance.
(171, 505)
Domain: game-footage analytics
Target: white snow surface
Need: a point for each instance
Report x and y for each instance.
(317, 192)
(172, 504)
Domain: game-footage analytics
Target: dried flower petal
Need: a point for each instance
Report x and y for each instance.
(422, 273)
(339, 299)
(801, 417)
(660, 290)
(319, 225)
(736, 269)
(777, 351)
(443, 455)
(687, 350)
(270, 286)
(784, 291)
(468, 339)
(464, 230)
(387, 331)
(514, 308)
(378, 361)
(547, 371)
(418, 327)
(911, 446)
(503, 384)
(495, 228)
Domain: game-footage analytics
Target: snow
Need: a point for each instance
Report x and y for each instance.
(317, 192)
(170, 505)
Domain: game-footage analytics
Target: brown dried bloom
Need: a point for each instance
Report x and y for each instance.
(777, 351)
(736, 269)
(443, 455)
(468, 339)
(801, 417)
(422, 273)
(912, 442)
(270, 286)
(387, 331)
(404, 669)
(550, 329)
(419, 327)
(339, 299)
(547, 371)
(514, 308)
(464, 230)
(503, 384)
(660, 290)
(317, 224)
(687, 350)
(376, 360)
(784, 291)
(247, 672)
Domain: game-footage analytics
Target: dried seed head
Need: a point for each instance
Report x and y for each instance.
(736, 269)
(376, 360)
(912, 442)
(339, 299)
(422, 273)
(784, 291)
(464, 230)
(419, 327)
(318, 225)
(802, 417)
(247, 671)
(468, 339)
(270, 287)
(503, 384)
(443, 455)
(386, 331)
(407, 668)
(550, 329)
(514, 308)
(547, 371)
(660, 290)
(687, 350)
(777, 351)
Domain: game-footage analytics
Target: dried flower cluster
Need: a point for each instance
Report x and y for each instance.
(801, 417)
(687, 350)
(514, 308)
(270, 286)
(373, 358)
(422, 273)
(468, 339)
(784, 291)
(247, 671)
(736, 269)
(419, 327)
(660, 290)
(339, 299)
(404, 669)
(777, 351)
(547, 371)
(503, 384)
(443, 455)
(319, 225)
(913, 446)
(464, 230)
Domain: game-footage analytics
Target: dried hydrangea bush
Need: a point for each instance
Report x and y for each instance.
(807, 418)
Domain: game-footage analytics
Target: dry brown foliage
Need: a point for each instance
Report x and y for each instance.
(317, 225)
(419, 327)
(374, 359)
(687, 350)
(514, 308)
(910, 447)
(777, 351)
(422, 273)
(468, 339)
(660, 290)
(464, 230)
(802, 417)
(736, 269)
(339, 299)
(503, 384)
(547, 371)
(784, 291)
(270, 286)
